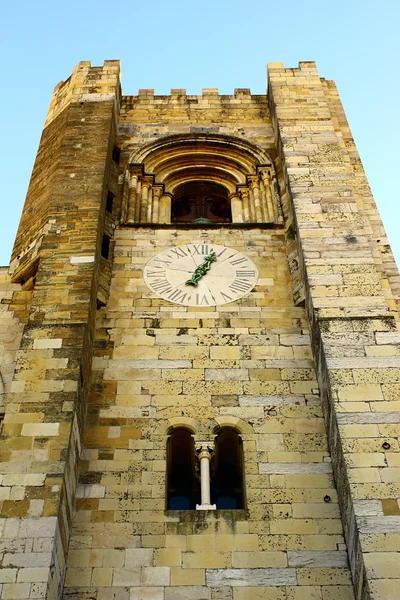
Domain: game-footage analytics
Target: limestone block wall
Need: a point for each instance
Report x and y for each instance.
(325, 311)
(147, 117)
(351, 305)
(46, 403)
(374, 230)
(12, 317)
(246, 364)
(61, 161)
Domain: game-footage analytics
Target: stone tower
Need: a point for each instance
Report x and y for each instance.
(199, 352)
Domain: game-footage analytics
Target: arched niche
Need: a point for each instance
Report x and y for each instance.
(159, 171)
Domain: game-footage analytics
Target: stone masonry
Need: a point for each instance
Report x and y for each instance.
(98, 370)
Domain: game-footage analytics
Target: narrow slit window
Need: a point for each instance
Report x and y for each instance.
(109, 202)
(227, 484)
(182, 486)
(105, 246)
(116, 154)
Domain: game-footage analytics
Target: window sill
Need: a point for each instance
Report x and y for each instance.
(239, 514)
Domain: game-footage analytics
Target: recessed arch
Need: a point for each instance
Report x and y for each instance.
(177, 159)
(158, 169)
(227, 145)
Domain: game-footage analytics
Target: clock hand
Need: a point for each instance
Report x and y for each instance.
(202, 269)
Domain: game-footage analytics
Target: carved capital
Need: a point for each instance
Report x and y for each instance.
(204, 450)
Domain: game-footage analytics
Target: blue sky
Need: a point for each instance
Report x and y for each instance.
(213, 43)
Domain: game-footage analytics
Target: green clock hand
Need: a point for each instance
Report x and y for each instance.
(202, 269)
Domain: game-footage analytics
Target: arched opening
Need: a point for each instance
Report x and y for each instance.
(182, 486)
(185, 178)
(201, 199)
(227, 490)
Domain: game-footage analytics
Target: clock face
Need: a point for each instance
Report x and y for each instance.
(200, 275)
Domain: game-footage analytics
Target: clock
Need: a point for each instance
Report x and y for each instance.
(200, 275)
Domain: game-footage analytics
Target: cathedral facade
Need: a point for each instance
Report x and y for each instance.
(199, 352)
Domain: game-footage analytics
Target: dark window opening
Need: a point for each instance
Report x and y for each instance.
(105, 246)
(183, 489)
(201, 199)
(227, 487)
(116, 154)
(109, 202)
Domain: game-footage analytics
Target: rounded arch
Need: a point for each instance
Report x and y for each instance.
(177, 159)
(239, 425)
(184, 422)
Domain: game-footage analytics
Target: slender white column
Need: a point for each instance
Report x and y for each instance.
(204, 452)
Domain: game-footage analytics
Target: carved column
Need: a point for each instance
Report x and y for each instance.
(245, 201)
(165, 209)
(125, 197)
(252, 210)
(255, 189)
(144, 198)
(264, 206)
(236, 208)
(268, 192)
(132, 199)
(156, 203)
(204, 452)
(277, 196)
(149, 205)
(137, 201)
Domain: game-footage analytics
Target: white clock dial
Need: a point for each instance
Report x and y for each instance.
(230, 277)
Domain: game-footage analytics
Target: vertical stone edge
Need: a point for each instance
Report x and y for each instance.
(354, 336)
(46, 406)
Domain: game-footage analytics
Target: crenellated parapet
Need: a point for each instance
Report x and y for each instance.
(86, 84)
(79, 135)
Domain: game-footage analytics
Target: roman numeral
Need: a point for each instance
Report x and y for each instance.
(222, 252)
(199, 249)
(201, 299)
(238, 261)
(239, 286)
(177, 296)
(153, 273)
(225, 297)
(162, 286)
(179, 252)
(164, 262)
(245, 273)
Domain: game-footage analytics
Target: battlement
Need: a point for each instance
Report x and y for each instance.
(207, 93)
(86, 84)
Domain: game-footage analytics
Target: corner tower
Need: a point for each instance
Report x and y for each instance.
(203, 401)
